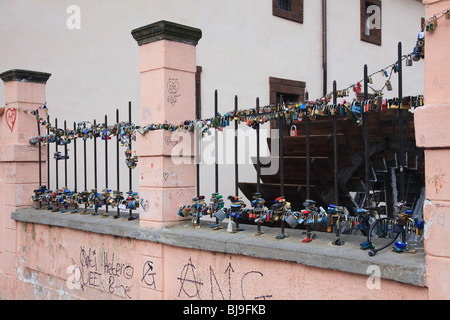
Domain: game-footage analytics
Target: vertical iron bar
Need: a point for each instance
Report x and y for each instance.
(40, 155)
(258, 162)
(95, 166)
(106, 161)
(75, 166)
(65, 154)
(95, 156)
(308, 158)
(48, 154)
(400, 119)
(366, 137)
(117, 162)
(280, 121)
(56, 152)
(236, 170)
(197, 134)
(336, 162)
(216, 143)
(85, 167)
(281, 133)
(130, 171)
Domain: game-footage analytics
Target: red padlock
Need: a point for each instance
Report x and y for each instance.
(293, 131)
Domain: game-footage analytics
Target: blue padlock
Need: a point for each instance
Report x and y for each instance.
(399, 246)
(366, 245)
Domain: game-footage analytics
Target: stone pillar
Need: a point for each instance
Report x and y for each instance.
(432, 128)
(19, 161)
(166, 159)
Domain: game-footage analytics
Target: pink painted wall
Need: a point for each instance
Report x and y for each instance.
(18, 169)
(432, 123)
(58, 263)
(167, 71)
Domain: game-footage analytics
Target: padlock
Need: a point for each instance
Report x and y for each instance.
(221, 214)
(399, 246)
(447, 14)
(366, 245)
(292, 220)
(388, 85)
(397, 228)
(293, 131)
(419, 227)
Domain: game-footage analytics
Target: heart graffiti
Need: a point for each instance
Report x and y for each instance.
(172, 87)
(11, 117)
(174, 140)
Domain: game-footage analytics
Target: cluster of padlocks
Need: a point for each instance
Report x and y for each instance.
(367, 222)
(124, 131)
(60, 200)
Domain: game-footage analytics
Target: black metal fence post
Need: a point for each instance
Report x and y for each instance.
(117, 165)
(130, 170)
(55, 157)
(308, 158)
(106, 162)
(65, 156)
(400, 120)
(75, 190)
(40, 156)
(95, 170)
(281, 120)
(236, 126)
(85, 167)
(366, 138)
(258, 161)
(216, 144)
(336, 153)
(258, 166)
(48, 155)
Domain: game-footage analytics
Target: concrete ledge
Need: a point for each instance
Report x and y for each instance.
(406, 268)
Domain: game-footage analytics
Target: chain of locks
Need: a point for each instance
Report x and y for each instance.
(124, 131)
(310, 217)
(60, 200)
(253, 117)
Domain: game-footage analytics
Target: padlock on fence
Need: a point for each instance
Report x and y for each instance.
(184, 211)
(294, 131)
(388, 85)
(293, 219)
(399, 246)
(221, 214)
(366, 245)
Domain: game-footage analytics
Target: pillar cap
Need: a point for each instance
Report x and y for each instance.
(25, 76)
(166, 30)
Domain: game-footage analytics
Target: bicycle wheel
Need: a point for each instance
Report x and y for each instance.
(381, 235)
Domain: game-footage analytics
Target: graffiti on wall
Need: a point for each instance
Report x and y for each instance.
(173, 86)
(225, 284)
(101, 271)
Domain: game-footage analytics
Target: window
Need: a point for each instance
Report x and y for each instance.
(284, 5)
(371, 21)
(288, 9)
(291, 90)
